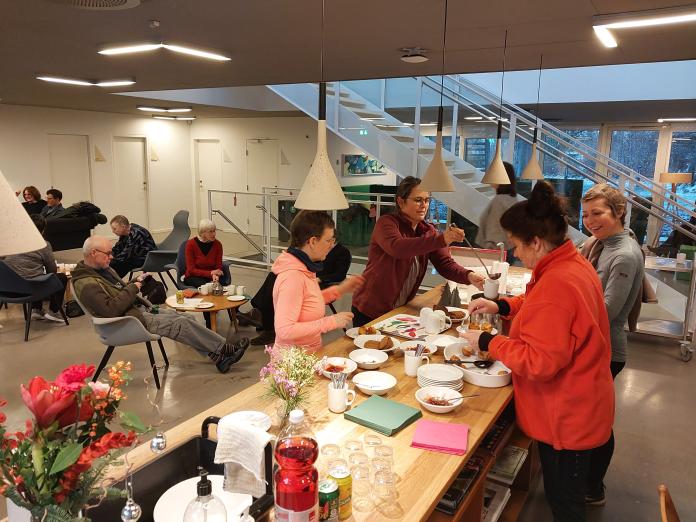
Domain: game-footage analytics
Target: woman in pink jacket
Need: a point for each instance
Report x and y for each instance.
(298, 301)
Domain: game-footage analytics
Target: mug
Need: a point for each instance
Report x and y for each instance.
(424, 314)
(412, 362)
(491, 288)
(340, 398)
(240, 290)
(437, 322)
(230, 290)
(203, 289)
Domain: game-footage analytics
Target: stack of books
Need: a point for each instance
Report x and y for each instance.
(507, 465)
(495, 497)
(460, 487)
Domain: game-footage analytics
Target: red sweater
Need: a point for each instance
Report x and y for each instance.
(198, 265)
(393, 247)
(559, 353)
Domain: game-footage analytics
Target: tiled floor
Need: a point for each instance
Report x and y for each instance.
(653, 428)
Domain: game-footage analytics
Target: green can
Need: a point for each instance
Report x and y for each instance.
(328, 500)
(343, 478)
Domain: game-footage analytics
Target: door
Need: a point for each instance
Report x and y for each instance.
(262, 171)
(69, 167)
(208, 161)
(130, 171)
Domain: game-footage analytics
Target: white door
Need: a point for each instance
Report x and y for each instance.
(69, 164)
(262, 171)
(209, 177)
(130, 171)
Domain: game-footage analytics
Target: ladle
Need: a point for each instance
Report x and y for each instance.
(490, 276)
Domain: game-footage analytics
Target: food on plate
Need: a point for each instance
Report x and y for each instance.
(454, 358)
(386, 343)
(457, 314)
(437, 401)
(485, 326)
(367, 330)
(372, 344)
(466, 352)
(439, 307)
(334, 368)
(502, 372)
(190, 292)
(474, 326)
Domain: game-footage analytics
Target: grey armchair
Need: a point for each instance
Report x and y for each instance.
(123, 331)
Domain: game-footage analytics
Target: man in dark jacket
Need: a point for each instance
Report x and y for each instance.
(104, 294)
(134, 242)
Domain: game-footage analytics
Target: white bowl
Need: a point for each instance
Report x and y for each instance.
(438, 391)
(368, 359)
(487, 378)
(374, 383)
(430, 348)
(456, 349)
(360, 341)
(348, 365)
(442, 340)
(457, 309)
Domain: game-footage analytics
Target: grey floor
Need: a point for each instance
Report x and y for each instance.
(653, 427)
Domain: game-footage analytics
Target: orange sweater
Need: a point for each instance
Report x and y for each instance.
(559, 353)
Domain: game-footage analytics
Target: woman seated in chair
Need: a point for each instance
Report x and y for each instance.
(298, 301)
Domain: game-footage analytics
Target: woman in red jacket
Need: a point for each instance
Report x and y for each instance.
(203, 256)
(558, 350)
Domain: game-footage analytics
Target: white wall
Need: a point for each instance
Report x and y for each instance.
(24, 158)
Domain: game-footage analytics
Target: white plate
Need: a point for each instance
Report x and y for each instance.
(374, 383)
(173, 502)
(368, 358)
(457, 387)
(352, 332)
(439, 372)
(205, 304)
(236, 298)
(438, 391)
(360, 341)
(253, 418)
(463, 329)
(430, 348)
(456, 309)
(348, 365)
(439, 340)
(189, 302)
(456, 349)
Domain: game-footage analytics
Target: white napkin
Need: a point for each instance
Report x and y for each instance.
(240, 448)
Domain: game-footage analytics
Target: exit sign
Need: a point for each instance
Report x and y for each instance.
(363, 132)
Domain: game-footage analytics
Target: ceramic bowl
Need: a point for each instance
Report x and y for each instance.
(457, 349)
(496, 376)
(374, 383)
(438, 391)
(430, 348)
(347, 365)
(368, 359)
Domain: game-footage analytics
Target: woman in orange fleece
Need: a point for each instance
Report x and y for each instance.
(558, 350)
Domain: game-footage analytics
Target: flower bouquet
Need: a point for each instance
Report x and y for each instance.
(288, 375)
(54, 468)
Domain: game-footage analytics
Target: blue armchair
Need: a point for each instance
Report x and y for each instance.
(179, 266)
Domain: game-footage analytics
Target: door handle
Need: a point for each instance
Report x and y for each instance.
(200, 183)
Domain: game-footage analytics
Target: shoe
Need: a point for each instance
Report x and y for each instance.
(250, 318)
(223, 365)
(51, 317)
(598, 498)
(263, 339)
(38, 314)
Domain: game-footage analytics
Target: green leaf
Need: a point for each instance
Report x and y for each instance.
(131, 421)
(66, 457)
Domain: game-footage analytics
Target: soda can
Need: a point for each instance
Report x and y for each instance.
(179, 297)
(345, 491)
(328, 500)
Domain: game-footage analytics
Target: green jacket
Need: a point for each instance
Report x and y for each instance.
(103, 298)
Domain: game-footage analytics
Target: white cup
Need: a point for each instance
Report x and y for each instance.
(424, 314)
(491, 288)
(413, 362)
(436, 322)
(681, 258)
(203, 289)
(241, 290)
(340, 398)
(230, 289)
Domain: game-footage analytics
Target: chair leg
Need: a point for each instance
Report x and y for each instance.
(152, 363)
(163, 281)
(65, 317)
(164, 354)
(27, 320)
(173, 280)
(104, 361)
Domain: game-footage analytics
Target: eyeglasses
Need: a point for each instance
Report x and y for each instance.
(108, 254)
(420, 201)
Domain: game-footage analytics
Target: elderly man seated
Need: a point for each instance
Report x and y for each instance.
(104, 294)
(134, 242)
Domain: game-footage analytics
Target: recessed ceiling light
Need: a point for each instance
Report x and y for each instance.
(662, 120)
(670, 15)
(414, 55)
(72, 81)
(473, 118)
(164, 109)
(131, 49)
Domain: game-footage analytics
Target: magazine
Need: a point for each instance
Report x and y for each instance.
(495, 497)
(508, 464)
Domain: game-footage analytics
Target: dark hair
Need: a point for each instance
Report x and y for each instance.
(31, 189)
(543, 215)
(308, 224)
(55, 193)
(406, 186)
(39, 221)
(121, 220)
(510, 189)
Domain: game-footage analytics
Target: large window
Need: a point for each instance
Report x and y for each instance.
(682, 158)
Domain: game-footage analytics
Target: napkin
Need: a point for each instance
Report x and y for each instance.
(240, 448)
(441, 436)
(383, 415)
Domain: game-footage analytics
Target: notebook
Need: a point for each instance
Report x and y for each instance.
(383, 415)
(441, 436)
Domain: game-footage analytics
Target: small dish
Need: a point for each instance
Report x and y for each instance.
(347, 366)
(374, 383)
(423, 394)
(352, 332)
(464, 329)
(430, 348)
(236, 298)
(457, 349)
(368, 359)
(456, 309)
(361, 340)
(442, 341)
(205, 305)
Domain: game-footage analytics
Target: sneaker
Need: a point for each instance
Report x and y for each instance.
(598, 498)
(250, 318)
(38, 314)
(264, 338)
(223, 365)
(53, 316)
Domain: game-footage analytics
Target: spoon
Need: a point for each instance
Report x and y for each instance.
(454, 399)
(478, 364)
(490, 276)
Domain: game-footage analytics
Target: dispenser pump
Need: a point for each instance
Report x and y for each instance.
(205, 487)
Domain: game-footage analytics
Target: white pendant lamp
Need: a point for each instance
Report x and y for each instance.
(18, 233)
(321, 189)
(437, 177)
(533, 170)
(496, 173)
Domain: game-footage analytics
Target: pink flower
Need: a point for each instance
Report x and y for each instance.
(73, 377)
(99, 388)
(49, 404)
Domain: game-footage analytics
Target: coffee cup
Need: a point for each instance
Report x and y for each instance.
(436, 322)
(241, 290)
(412, 362)
(230, 290)
(203, 289)
(491, 288)
(340, 398)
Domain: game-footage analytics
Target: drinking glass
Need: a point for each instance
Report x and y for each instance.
(337, 463)
(385, 452)
(380, 464)
(352, 445)
(330, 451)
(385, 485)
(358, 458)
(371, 442)
(362, 488)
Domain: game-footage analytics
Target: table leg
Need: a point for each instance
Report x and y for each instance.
(213, 321)
(232, 312)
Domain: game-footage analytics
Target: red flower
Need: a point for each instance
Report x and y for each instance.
(48, 404)
(73, 377)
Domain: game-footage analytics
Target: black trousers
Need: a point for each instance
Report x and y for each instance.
(565, 481)
(359, 318)
(601, 456)
(55, 301)
(123, 267)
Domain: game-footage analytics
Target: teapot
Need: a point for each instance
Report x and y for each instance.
(217, 288)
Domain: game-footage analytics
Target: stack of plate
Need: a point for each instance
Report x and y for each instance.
(440, 375)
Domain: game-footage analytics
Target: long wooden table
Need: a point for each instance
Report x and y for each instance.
(424, 476)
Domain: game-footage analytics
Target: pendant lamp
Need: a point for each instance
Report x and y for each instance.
(18, 234)
(321, 189)
(437, 178)
(496, 173)
(533, 170)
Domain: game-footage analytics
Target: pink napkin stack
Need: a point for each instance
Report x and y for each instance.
(441, 436)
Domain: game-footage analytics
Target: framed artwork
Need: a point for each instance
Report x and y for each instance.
(361, 165)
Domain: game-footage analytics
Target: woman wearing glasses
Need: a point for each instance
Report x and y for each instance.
(298, 301)
(401, 246)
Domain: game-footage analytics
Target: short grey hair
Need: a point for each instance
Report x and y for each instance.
(92, 243)
(205, 225)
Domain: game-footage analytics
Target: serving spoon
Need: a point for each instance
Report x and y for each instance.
(490, 276)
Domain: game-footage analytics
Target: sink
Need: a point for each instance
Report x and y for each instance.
(151, 481)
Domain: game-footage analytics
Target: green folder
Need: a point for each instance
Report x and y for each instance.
(383, 415)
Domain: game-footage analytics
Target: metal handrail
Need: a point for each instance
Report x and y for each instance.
(234, 225)
(266, 211)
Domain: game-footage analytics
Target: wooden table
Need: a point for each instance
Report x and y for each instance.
(220, 302)
(423, 476)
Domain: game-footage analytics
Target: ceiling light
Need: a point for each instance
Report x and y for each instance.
(414, 55)
(70, 81)
(130, 49)
(196, 52)
(533, 170)
(662, 120)
(180, 109)
(163, 109)
(473, 118)
(115, 83)
(175, 118)
(164, 117)
(670, 15)
(605, 36)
